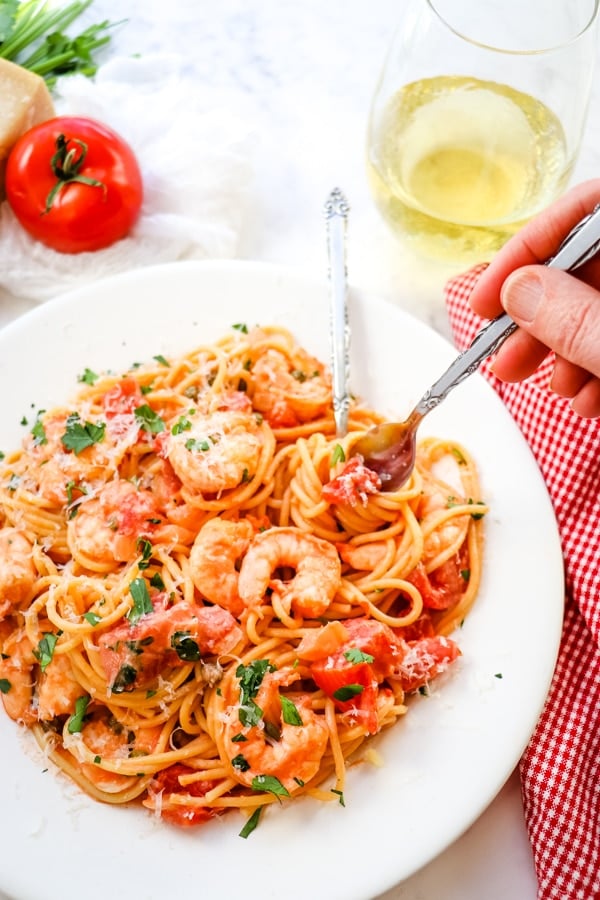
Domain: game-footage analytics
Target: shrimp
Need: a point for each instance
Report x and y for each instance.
(363, 557)
(218, 451)
(217, 548)
(16, 671)
(27, 698)
(61, 471)
(293, 752)
(108, 525)
(316, 562)
(439, 494)
(57, 689)
(109, 742)
(290, 390)
(132, 655)
(17, 571)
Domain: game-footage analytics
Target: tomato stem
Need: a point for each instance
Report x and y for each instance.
(66, 164)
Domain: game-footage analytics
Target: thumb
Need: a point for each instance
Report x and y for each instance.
(557, 309)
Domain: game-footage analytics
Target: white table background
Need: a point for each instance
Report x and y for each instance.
(303, 72)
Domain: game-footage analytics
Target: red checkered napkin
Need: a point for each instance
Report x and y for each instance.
(560, 769)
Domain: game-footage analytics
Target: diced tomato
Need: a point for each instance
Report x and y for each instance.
(345, 666)
(132, 655)
(334, 674)
(376, 639)
(353, 485)
(420, 628)
(161, 444)
(374, 653)
(424, 659)
(236, 400)
(443, 587)
(119, 404)
(318, 643)
(165, 784)
(164, 484)
(135, 513)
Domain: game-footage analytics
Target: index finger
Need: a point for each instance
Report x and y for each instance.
(535, 243)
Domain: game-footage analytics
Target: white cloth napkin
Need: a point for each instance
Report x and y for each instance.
(194, 148)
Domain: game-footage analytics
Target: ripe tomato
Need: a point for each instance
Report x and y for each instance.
(166, 783)
(74, 184)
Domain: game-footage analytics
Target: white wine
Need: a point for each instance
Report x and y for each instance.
(458, 164)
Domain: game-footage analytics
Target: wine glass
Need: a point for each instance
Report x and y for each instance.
(477, 119)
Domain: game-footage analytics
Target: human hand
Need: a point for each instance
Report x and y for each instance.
(555, 310)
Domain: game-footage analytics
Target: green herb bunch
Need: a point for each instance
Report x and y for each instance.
(32, 35)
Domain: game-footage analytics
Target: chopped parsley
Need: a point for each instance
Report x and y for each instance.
(5, 685)
(80, 435)
(124, 678)
(149, 420)
(250, 713)
(145, 548)
(251, 823)
(271, 784)
(291, 716)
(92, 617)
(356, 656)
(182, 424)
(185, 646)
(240, 762)
(348, 691)
(157, 582)
(45, 650)
(472, 502)
(38, 431)
(70, 487)
(250, 678)
(161, 359)
(338, 455)
(197, 446)
(88, 377)
(272, 730)
(241, 326)
(340, 795)
(142, 604)
(76, 721)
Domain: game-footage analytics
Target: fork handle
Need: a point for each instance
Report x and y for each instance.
(580, 245)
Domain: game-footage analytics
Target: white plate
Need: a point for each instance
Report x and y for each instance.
(443, 763)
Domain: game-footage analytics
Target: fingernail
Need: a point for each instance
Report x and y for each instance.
(521, 295)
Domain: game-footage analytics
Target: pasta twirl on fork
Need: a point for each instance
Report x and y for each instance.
(205, 602)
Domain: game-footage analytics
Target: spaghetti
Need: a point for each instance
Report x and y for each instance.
(206, 602)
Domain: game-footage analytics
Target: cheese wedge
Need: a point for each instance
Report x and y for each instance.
(24, 101)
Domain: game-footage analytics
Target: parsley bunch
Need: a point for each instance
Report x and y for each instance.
(32, 35)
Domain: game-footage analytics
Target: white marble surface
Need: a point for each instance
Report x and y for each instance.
(302, 73)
